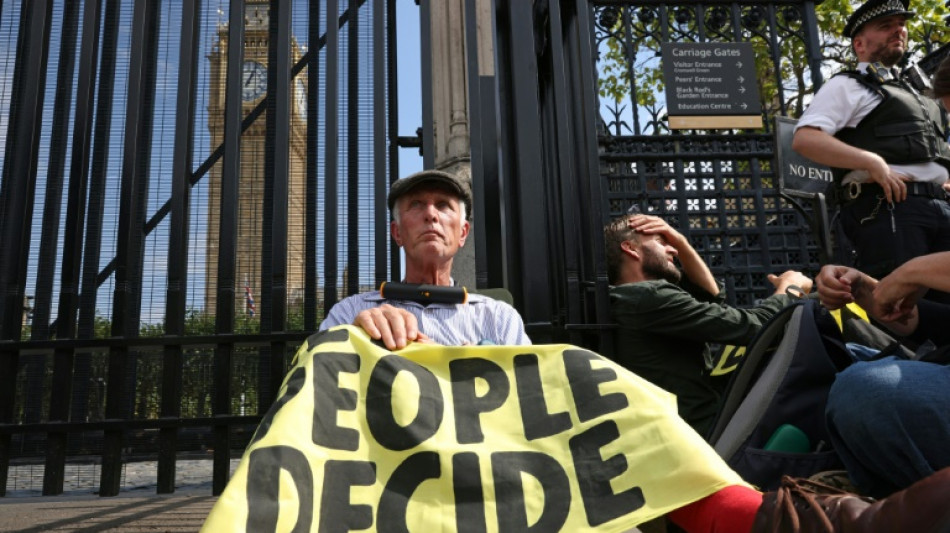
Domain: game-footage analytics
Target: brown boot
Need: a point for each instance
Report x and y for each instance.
(801, 505)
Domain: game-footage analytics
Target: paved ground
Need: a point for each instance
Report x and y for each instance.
(136, 508)
(133, 511)
(83, 478)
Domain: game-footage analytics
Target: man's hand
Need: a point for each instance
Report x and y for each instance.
(835, 284)
(895, 297)
(693, 265)
(840, 285)
(900, 311)
(394, 326)
(895, 190)
(652, 225)
(790, 278)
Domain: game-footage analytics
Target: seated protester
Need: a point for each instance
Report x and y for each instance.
(430, 222)
(889, 419)
(431, 212)
(668, 317)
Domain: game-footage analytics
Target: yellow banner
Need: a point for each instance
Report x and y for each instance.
(469, 439)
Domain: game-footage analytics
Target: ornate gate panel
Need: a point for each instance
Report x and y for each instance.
(718, 187)
(583, 135)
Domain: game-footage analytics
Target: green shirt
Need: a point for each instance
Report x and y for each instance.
(663, 335)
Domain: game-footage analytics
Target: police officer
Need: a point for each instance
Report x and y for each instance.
(886, 143)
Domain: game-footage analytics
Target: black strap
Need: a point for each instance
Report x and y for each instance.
(914, 188)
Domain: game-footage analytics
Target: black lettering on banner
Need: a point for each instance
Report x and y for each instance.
(294, 385)
(507, 468)
(328, 398)
(320, 337)
(600, 502)
(585, 385)
(391, 515)
(263, 488)
(379, 404)
(538, 422)
(336, 511)
(469, 494)
(468, 405)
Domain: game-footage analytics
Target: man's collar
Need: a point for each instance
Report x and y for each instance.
(452, 282)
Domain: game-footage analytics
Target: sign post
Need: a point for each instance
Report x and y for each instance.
(711, 85)
(797, 172)
(802, 178)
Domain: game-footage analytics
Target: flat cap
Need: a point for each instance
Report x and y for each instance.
(455, 183)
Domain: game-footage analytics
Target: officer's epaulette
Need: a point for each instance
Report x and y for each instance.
(873, 83)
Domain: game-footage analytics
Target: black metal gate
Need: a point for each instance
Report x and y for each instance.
(718, 187)
(172, 228)
(586, 76)
(187, 186)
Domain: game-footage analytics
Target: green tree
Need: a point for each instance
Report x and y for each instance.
(102, 327)
(927, 31)
(630, 63)
(198, 322)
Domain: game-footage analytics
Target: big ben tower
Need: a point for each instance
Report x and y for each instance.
(251, 182)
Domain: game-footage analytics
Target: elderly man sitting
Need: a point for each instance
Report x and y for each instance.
(431, 212)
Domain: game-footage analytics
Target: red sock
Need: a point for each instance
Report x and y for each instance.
(728, 510)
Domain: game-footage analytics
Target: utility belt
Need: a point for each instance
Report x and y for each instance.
(852, 191)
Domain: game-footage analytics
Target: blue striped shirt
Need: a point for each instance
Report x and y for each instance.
(480, 319)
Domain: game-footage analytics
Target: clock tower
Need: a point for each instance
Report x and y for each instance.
(251, 181)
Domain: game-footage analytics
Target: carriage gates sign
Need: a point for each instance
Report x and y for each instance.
(711, 85)
(467, 439)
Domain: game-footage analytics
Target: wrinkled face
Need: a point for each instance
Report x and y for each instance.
(429, 224)
(657, 259)
(882, 40)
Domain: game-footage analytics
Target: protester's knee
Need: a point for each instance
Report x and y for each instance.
(862, 388)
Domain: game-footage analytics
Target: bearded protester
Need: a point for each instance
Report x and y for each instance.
(667, 317)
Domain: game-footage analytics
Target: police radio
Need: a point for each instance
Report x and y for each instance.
(912, 75)
(917, 78)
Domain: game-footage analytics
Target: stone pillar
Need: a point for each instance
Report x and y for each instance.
(450, 101)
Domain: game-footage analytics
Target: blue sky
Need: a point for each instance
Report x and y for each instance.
(409, 81)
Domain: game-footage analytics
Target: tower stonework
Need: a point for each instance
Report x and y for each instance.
(450, 101)
(250, 225)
